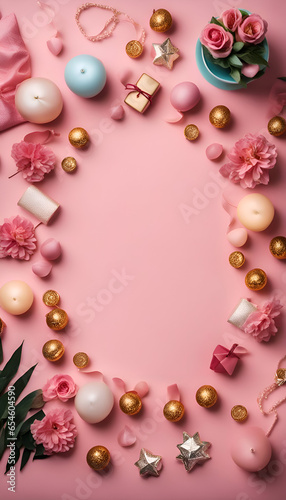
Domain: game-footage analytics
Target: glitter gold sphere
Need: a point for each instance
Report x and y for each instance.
(2, 326)
(69, 164)
(53, 350)
(78, 137)
(134, 49)
(191, 132)
(161, 20)
(130, 403)
(256, 279)
(278, 247)
(51, 298)
(277, 126)
(219, 116)
(174, 410)
(81, 360)
(239, 413)
(206, 396)
(236, 259)
(98, 457)
(57, 319)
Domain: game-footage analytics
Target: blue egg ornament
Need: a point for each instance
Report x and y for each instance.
(85, 75)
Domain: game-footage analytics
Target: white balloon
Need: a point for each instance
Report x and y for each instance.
(94, 401)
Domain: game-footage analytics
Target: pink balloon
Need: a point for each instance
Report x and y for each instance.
(251, 449)
(214, 151)
(42, 268)
(185, 96)
(51, 249)
(237, 237)
(126, 437)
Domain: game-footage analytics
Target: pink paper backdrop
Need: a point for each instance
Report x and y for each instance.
(124, 211)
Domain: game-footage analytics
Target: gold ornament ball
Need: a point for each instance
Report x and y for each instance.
(78, 137)
(277, 126)
(130, 403)
(206, 396)
(236, 259)
(256, 279)
(57, 319)
(2, 326)
(81, 360)
(174, 410)
(134, 49)
(161, 20)
(278, 247)
(51, 298)
(69, 164)
(191, 132)
(53, 350)
(219, 116)
(98, 457)
(239, 413)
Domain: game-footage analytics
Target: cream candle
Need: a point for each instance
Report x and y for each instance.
(16, 297)
(255, 211)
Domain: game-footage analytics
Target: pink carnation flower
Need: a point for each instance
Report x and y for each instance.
(251, 158)
(260, 324)
(33, 160)
(56, 432)
(17, 238)
(60, 386)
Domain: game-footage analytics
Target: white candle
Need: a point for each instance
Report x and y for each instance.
(255, 211)
(16, 297)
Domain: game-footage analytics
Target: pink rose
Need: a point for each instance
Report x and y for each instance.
(218, 41)
(252, 30)
(231, 19)
(60, 386)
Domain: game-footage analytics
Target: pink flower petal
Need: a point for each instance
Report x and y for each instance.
(173, 392)
(142, 388)
(120, 384)
(126, 437)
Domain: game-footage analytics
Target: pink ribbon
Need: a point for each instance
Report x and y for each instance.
(173, 392)
(141, 388)
(277, 97)
(40, 136)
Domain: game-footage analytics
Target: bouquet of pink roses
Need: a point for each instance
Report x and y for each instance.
(235, 41)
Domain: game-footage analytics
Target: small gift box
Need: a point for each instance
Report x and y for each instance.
(225, 360)
(142, 93)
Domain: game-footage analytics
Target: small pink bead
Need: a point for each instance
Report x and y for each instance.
(185, 96)
(42, 268)
(117, 112)
(214, 151)
(251, 449)
(237, 237)
(51, 249)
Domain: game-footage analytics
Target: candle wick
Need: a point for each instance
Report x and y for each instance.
(82, 70)
(252, 450)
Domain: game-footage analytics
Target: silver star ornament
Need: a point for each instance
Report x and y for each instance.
(193, 450)
(149, 464)
(165, 54)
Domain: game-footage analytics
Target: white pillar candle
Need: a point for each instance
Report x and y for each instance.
(39, 204)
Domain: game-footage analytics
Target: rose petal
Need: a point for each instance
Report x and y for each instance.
(126, 437)
(173, 392)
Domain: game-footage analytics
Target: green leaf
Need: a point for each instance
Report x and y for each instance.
(283, 78)
(10, 369)
(40, 453)
(235, 74)
(2, 443)
(28, 441)
(27, 424)
(223, 62)
(15, 460)
(19, 385)
(22, 408)
(244, 13)
(25, 457)
(1, 351)
(216, 21)
(237, 46)
(253, 58)
(235, 61)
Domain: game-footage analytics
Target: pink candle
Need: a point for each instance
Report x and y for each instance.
(251, 449)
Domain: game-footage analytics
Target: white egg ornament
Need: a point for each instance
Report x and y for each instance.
(94, 401)
(38, 100)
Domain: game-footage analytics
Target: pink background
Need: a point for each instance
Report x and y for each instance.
(124, 209)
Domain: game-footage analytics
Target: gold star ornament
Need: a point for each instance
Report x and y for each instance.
(165, 54)
(149, 464)
(193, 450)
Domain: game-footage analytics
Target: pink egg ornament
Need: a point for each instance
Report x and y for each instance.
(51, 249)
(251, 449)
(237, 237)
(214, 151)
(117, 112)
(185, 96)
(42, 268)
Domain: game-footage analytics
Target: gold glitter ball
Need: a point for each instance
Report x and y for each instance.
(278, 247)
(239, 413)
(130, 403)
(191, 132)
(78, 137)
(2, 326)
(81, 360)
(134, 49)
(69, 164)
(277, 126)
(98, 457)
(161, 20)
(57, 319)
(174, 410)
(236, 259)
(206, 396)
(256, 279)
(51, 298)
(219, 116)
(53, 350)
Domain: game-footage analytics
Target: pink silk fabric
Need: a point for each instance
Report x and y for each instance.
(15, 66)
